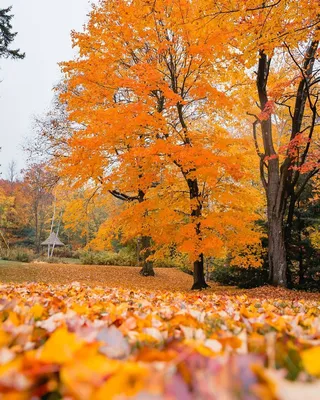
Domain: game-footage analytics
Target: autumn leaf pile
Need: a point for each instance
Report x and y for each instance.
(76, 342)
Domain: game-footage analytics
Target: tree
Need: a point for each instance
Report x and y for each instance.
(6, 211)
(150, 101)
(39, 184)
(287, 83)
(287, 178)
(303, 249)
(12, 173)
(84, 210)
(281, 38)
(14, 219)
(7, 36)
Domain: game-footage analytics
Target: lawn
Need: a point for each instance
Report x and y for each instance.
(94, 332)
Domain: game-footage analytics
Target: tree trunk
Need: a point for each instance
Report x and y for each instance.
(275, 185)
(301, 265)
(276, 199)
(37, 241)
(277, 253)
(147, 266)
(198, 275)
(199, 281)
(289, 223)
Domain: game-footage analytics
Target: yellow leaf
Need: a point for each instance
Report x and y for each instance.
(36, 311)
(13, 317)
(4, 338)
(128, 381)
(60, 347)
(310, 359)
(79, 308)
(87, 372)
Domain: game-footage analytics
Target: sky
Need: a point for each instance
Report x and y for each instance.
(43, 28)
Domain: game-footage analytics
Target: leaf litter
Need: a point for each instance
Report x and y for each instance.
(75, 341)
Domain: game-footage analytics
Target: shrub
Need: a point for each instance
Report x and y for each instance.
(54, 260)
(167, 263)
(128, 257)
(20, 254)
(175, 260)
(57, 260)
(245, 278)
(64, 252)
(309, 286)
(107, 258)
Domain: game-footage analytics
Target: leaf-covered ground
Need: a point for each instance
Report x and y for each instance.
(75, 341)
(128, 277)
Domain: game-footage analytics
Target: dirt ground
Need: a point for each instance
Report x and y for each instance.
(128, 277)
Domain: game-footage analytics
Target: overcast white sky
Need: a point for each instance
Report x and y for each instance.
(43, 28)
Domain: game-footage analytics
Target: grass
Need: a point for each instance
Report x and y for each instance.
(168, 279)
(56, 260)
(5, 263)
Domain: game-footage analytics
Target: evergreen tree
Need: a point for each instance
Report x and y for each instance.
(7, 36)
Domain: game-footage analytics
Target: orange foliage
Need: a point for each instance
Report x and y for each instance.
(153, 118)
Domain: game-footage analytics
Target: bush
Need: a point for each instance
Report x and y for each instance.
(175, 260)
(127, 257)
(107, 258)
(167, 263)
(64, 252)
(244, 278)
(54, 260)
(19, 254)
(309, 286)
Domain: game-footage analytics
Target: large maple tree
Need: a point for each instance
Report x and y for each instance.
(153, 111)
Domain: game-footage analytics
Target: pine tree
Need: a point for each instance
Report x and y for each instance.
(7, 36)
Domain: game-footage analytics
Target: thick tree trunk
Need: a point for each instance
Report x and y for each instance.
(198, 274)
(301, 265)
(289, 223)
(276, 199)
(199, 281)
(280, 182)
(277, 253)
(147, 266)
(275, 185)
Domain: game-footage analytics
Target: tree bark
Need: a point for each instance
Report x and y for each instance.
(36, 225)
(277, 253)
(145, 251)
(199, 281)
(275, 186)
(147, 265)
(198, 275)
